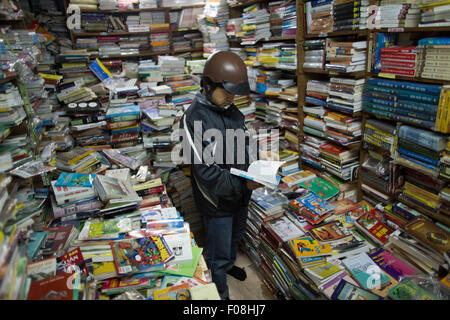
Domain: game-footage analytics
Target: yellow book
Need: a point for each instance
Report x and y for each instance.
(104, 268)
(420, 198)
(421, 191)
(179, 292)
(323, 270)
(309, 247)
(445, 118)
(147, 185)
(434, 4)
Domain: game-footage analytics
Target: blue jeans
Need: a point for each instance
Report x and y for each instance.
(222, 238)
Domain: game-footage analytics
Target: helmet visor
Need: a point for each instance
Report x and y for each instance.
(240, 88)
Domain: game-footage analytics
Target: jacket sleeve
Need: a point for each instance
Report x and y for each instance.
(216, 180)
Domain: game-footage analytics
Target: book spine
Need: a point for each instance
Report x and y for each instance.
(417, 96)
(403, 56)
(418, 149)
(413, 114)
(444, 122)
(420, 122)
(418, 156)
(412, 86)
(417, 106)
(421, 137)
(398, 71)
(420, 163)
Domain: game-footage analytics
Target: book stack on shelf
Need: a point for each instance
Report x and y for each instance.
(348, 15)
(319, 17)
(84, 5)
(410, 102)
(108, 5)
(315, 51)
(397, 14)
(433, 61)
(283, 18)
(255, 24)
(434, 14)
(345, 56)
(212, 25)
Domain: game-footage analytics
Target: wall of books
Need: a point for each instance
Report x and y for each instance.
(353, 94)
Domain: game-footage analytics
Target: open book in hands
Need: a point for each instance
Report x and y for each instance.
(261, 171)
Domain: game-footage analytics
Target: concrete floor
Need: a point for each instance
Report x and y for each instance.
(252, 288)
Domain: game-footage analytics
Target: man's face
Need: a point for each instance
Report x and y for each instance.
(222, 97)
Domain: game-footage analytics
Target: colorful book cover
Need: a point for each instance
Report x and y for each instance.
(141, 254)
(36, 240)
(344, 205)
(179, 292)
(71, 261)
(330, 232)
(407, 290)
(348, 291)
(366, 272)
(41, 269)
(119, 285)
(320, 187)
(429, 234)
(315, 203)
(75, 180)
(376, 228)
(391, 264)
(106, 227)
(309, 247)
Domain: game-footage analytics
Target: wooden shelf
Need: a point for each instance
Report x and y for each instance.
(336, 34)
(417, 79)
(332, 73)
(144, 10)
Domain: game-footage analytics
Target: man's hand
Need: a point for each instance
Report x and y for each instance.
(252, 185)
(269, 155)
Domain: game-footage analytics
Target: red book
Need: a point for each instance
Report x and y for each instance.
(399, 71)
(370, 223)
(405, 56)
(399, 49)
(387, 63)
(58, 287)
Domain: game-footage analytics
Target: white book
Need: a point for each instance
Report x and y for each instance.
(261, 171)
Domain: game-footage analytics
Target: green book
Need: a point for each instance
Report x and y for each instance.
(313, 131)
(320, 187)
(186, 269)
(407, 290)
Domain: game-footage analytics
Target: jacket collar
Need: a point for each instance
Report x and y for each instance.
(205, 102)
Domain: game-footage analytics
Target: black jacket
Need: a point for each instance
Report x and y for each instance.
(216, 191)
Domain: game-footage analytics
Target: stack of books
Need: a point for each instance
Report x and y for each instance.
(246, 106)
(376, 177)
(171, 65)
(345, 56)
(399, 60)
(340, 161)
(314, 54)
(316, 100)
(84, 5)
(345, 95)
(347, 14)
(123, 121)
(108, 5)
(319, 17)
(159, 42)
(255, 24)
(396, 14)
(434, 14)
(283, 19)
(343, 129)
(433, 58)
(311, 207)
(429, 145)
(77, 160)
(380, 134)
(234, 29)
(213, 27)
(410, 102)
(94, 22)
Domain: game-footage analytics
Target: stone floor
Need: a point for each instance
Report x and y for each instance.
(250, 289)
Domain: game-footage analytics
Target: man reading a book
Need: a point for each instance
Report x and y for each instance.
(221, 197)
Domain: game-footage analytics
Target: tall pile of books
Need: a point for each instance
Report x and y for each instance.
(380, 134)
(345, 95)
(433, 58)
(409, 102)
(319, 17)
(346, 56)
(434, 14)
(396, 14)
(340, 161)
(123, 121)
(159, 42)
(256, 25)
(283, 19)
(213, 27)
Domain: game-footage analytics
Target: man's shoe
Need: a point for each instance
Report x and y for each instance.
(238, 273)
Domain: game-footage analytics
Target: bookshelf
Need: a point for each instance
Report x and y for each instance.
(170, 30)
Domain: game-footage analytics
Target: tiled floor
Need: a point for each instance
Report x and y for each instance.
(250, 289)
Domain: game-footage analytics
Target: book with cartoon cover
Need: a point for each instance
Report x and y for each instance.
(315, 203)
(138, 255)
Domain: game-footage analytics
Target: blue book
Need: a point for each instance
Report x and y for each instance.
(381, 95)
(425, 138)
(378, 106)
(417, 106)
(414, 114)
(418, 156)
(128, 110)
(433, 41)
(36, 240)
(413, 86)
(419, 122)
(316, 3)
(418, 96)
(315, 101)
(383, 40)
(75, 180)
(316, 204)
(421, 163)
